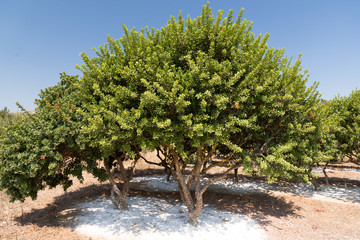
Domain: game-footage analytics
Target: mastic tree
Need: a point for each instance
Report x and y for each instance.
(320, 146)
(197, 89)
(46, 148)
(348, 136)
(57, 142)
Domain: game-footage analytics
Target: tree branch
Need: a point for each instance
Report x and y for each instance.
(215, 179)
(149, 162)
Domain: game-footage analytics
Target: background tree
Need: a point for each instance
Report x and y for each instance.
(59, 141)
(5, 118)
(320, 147)
(348, 136)
(45, 148)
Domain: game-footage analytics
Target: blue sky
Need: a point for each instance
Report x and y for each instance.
(41, 38)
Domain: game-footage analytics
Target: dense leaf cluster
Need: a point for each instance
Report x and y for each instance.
(199, 83)
(348, 134)
(43, 149)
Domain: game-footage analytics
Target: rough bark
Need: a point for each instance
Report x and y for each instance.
(236, 177)
(195, 213)
(118, 196)
(195, 204)
(326, 176)
(183, 188)
(312, 178)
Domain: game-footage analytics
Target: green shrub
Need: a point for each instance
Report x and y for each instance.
(45, 148)
(348, 136)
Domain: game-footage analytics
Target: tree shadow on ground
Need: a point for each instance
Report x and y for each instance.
(258, 206)
(63, 211)
(333, 181)
(339, 182)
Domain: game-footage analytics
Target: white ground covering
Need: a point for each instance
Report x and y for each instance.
(352, 169)
(227, 186)
(152, 218)
(320, 170)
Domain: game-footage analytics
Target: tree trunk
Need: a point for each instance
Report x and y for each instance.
(236, 173)
(326, 176)
(195, 213)
(183, 188)
(119, 199)
(314, 182)
(118, 196)
(195, 206)
(312, 178)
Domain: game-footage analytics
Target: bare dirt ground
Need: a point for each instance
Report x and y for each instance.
(282, 215)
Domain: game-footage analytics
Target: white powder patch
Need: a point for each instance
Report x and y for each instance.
(152, 218)
(320, 170)
(159, 183)
(352, 169)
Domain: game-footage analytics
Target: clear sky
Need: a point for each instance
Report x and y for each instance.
(41, 38)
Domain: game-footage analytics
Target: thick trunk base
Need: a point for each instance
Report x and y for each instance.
(195, 214)
(118, 198)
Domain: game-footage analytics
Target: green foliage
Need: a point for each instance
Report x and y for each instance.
(5, 118)
(45, 148)
(348, 135)
(5, 114)
(190, 89)
(199, 83)
(320, 146)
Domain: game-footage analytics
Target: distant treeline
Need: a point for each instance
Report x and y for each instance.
(6, 117)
